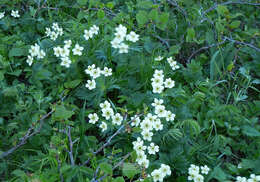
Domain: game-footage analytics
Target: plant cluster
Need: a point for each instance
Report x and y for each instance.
(137, 90)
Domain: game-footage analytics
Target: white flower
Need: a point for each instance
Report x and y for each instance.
(165, 169)
(2, 14)
(57, 51)
(48, 31)
(169, 83)
(60, 31)
(160, 111)
(29, 60)
(157, 125)
(157, 175)
(169, 116)
(205, 169)
(95, 73)
(15, 14)
(194, 168)
(115, 43)
(241, 179)
(93, 118)
(158, 73)
(94, 29)
(55, 26)
(147, 135)
(135, 121)
(192, 175)
(103, 126)
(173, 63)
(199, 178)
(91, 84)
(152, 149)
(158, 58)
(107, 113)
(157, 89)
(121, 29)
(117, 119)
(34, 51)
(77, 50)
(41, 54)
(105, 105)
(67, 43)
(157, 102)
(88, 34)
(123, 48)
(254, 178)
(145, 163)
(146, 125)
(54, 36)
(157, 81)
(90, 69)
(132, 36)
(65, 61)
(107, 71)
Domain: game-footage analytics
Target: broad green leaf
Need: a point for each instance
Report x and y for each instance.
(163, 20)
(17, 52)
(190, 35)
(72, 84)
(235, 24)
(142, 18)
(129, 170)
(214, 65)
(107, 168)
(62, 113)
(153, 15)
(119, 179)
(222, 10)
(250, 131)
(82, 2)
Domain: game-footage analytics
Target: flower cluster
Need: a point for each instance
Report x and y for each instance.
(2, 14)
(120, 36)
(253, 178)
(159, 174)
(64, 52)
(15, 14)
(148, 124)
(95, 73)
(173, 63)
(194, 173)
(88, 34)
(107, 113)
(35, 51)
(158, 82)
(54, 32)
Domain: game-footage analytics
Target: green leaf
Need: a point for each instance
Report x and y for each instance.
(162, 21)
(190, 35)
(192, 126)
(214, 65)
(101, 14)
(153, 15)
(174, 49)
(235, 24)
(61, 113)
(72, 84)
(141, 18)
(107, 168)
(222, 10)
(250, 131)
(17, 52)
(119, 179)
(129, 170)
(82, 2)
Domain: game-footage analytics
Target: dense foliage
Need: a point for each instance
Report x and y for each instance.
(129, 90)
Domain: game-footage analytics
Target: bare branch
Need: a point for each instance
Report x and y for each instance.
(110, 138)
(204, 48)
(30, 132)
(68, 133)
(243, 43)
(59, 166)
(230, 2)
(163, 41)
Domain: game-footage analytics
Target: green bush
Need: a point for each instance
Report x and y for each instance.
(137, 90)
